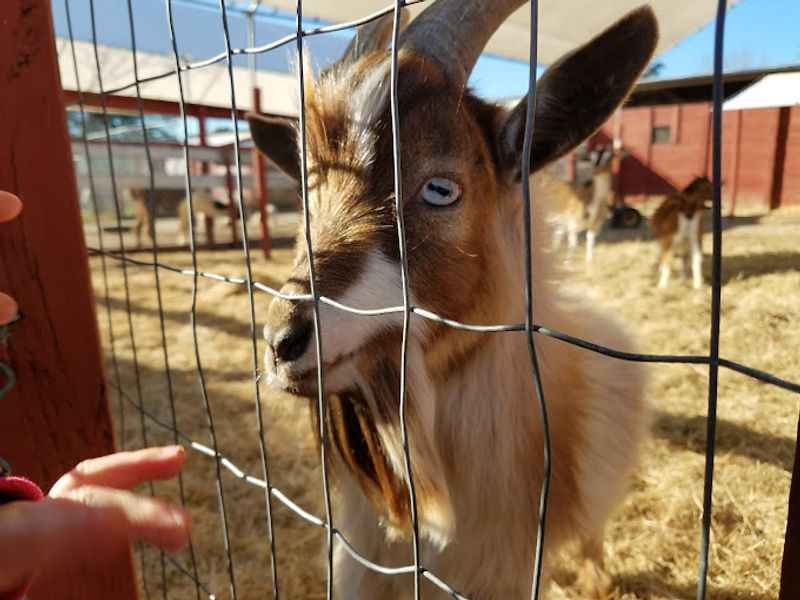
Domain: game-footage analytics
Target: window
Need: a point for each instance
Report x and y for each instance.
(662, 134)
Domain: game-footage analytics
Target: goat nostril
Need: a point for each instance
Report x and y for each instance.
(293, 342)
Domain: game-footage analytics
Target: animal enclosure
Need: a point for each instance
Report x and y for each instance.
(183, 360)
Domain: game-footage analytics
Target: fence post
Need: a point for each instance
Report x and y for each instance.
(737, 150)
(260, 176)
(57, 413)
(781, 137)
(233, 211)
(790, 569)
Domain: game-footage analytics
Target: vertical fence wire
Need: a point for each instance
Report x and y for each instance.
(323, 439)
(193, 312)
(716, 300)
(125, 279)
(401, 238)
(262, 445)
(98, 226)
(153, 214)
(527, 200)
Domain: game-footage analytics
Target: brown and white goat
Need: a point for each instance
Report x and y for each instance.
(204, 205)
(474, 430)
(677, 224)
(583, 206)
(137, 198)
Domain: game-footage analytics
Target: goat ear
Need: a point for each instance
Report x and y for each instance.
(578, 93)
(276, 138)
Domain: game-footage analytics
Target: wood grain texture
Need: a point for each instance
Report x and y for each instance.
(57, 415)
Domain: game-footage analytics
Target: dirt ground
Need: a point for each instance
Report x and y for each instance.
(653, 540)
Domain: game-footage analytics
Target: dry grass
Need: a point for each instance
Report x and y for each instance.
(653, 541)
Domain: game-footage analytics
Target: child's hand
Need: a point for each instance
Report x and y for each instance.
(90, 514)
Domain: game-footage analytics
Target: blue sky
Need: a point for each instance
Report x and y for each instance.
(759, 33)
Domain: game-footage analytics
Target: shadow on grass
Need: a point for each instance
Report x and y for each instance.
(689, 433)
(648, 584)
(762, 263)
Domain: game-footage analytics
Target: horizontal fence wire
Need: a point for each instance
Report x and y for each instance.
(528, 327)
(283, 498)
(696, 359)
(284, 41)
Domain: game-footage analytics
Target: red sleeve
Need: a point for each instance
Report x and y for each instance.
(13, 489)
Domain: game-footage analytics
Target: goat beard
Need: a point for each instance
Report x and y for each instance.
(354, 420)
(363, 421)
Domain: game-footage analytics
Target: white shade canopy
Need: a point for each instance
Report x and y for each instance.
(563, 24)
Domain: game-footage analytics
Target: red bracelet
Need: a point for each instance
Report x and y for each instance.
(13, 489)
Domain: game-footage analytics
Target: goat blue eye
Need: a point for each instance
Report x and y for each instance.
(439, 191)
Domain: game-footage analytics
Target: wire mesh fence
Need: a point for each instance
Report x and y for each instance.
(133, 399)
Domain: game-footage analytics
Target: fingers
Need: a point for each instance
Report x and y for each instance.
(84, 526)
(123, 470)
(109, 514)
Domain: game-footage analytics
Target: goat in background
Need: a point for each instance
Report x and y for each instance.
(583, 206)
(138, 198)
(474, 429)
(204, 204)
(677, 224)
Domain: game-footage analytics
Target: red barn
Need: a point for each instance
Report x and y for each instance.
(666, 129)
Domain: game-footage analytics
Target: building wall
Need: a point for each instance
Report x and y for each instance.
(790, 183)
(670, 145)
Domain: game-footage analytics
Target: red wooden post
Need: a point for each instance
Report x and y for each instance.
(204, 170)
(616, 160)
(571, 167)
(57, 414)
(232, 211)
(790, 569)
(705, 168)
(737, 148)
(260, 176)
(676, 123)
(782, 135)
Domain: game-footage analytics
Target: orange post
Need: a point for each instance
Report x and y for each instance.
(790, 567)
(232, 203)
(260, 176)
(734, 177)
(57, 413)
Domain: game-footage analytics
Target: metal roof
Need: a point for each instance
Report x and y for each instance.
(777, 89)
(208, 86)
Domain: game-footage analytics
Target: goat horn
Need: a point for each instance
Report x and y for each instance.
(373, 36)
(454, 32)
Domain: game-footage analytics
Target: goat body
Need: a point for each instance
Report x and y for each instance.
(677, 225)
(474, 430)
(581, 207)
(206, 206)
(203, 203)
